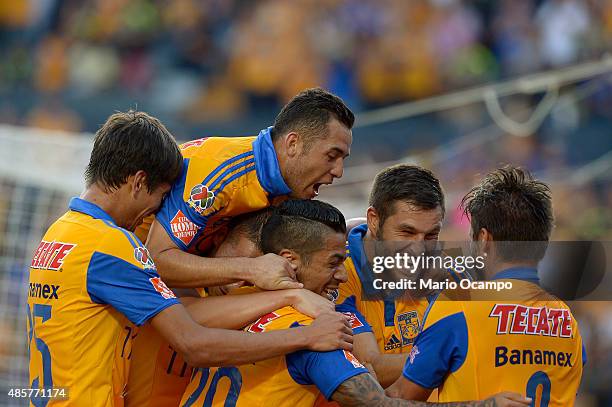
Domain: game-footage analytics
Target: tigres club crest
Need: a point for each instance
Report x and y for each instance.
(408, 323)
(200, 198)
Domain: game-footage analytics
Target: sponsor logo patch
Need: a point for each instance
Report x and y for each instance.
(162, 288)
(144, 257)
(182, 228)
(193, 143)
(260, 324)
(354, 320)
(51, 255)
(351, 358)
(516, 319)
(408, 323)
(200, 198)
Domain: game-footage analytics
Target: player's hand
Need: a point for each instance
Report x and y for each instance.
(272, 272)
(330, 331)
(310, 303)
(506, 399)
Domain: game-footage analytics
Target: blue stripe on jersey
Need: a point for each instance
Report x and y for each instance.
(223, 165)
(229, 171)
(233, 177)
(389, 312)
(132, 239)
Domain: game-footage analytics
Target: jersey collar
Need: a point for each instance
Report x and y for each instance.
(266, 165)
(519, 273)
(359, 258)
(80, 205)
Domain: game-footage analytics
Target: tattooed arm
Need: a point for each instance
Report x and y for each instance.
(364, 390)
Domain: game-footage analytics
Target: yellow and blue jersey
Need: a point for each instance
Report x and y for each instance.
(292, 380)
(221, 178)
(395, 322)
(524, 340)
(91, 285)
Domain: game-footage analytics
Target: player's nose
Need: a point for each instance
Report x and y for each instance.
(338, 169)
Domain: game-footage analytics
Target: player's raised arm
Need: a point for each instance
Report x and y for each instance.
(205, 347)
(181, 269)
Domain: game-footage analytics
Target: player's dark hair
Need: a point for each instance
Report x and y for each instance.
(309, 113)
(129, 142)
(249, 225)
(514, 207)
(301, 225)
(407, 183)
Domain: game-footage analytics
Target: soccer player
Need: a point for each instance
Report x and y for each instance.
(311, 235)
(523, 340)
(158, 374)
(406, 205)
(92, 281)
(225, 177)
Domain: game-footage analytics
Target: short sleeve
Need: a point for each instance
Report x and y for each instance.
(132, 286)
(181, 221)
(439, 349)
(358, 322)
(326, 370)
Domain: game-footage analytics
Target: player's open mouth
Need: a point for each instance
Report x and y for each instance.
(315, 188)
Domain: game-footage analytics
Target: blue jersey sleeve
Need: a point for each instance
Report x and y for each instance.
(326, 370)
(358, 322)
(138, 293)
(182, 223)
(438, 350)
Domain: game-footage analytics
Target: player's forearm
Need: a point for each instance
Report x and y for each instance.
(218, 347)
(236, 311)
(181, 269)
(362, 391)
(389, 367)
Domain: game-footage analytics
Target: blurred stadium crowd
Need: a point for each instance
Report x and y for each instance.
(210, 67)
(217, 60)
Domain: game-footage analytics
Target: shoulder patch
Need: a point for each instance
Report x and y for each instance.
(182, 228)
(162, 288)
(351, 358)
(143, 256)
(200, 198)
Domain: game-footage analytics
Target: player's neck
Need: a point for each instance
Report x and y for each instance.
(109, 202)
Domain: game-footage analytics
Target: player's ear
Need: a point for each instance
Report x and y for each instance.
(290, 255)
(138, 183)
(292, 141)
(373, 220)
(485, 240)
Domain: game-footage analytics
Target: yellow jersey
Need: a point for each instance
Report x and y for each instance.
(395, 322)
(522, 340)
(293, 380)
(221, 178)
(91, 285)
